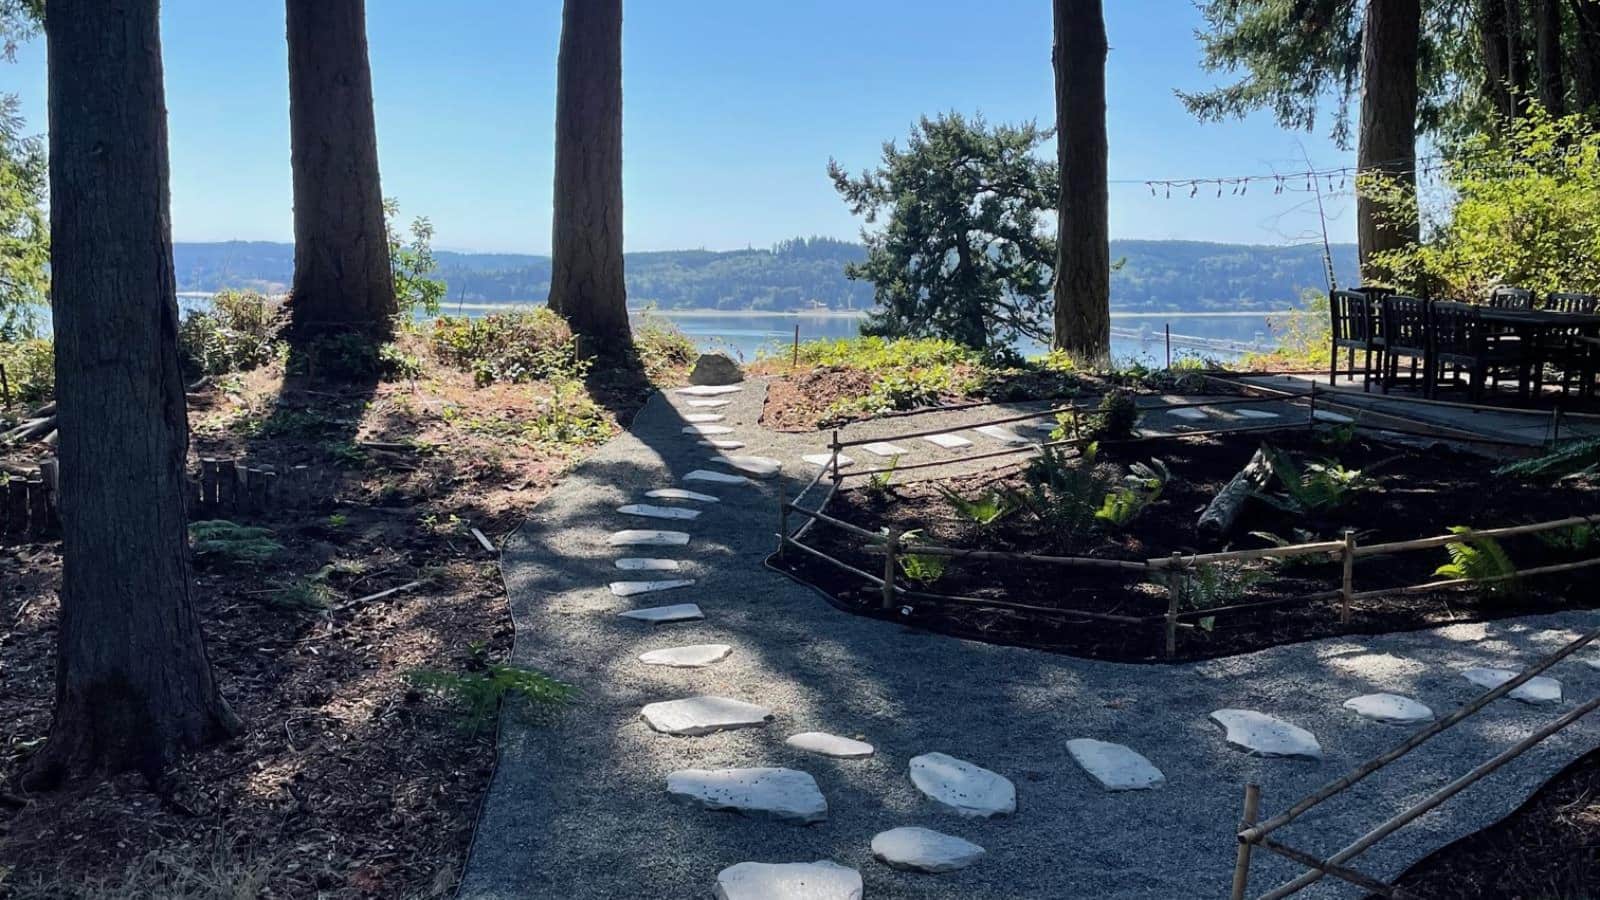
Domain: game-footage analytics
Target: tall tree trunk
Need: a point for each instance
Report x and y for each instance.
(342, 277)
(1083, 261)
(586, 284)
(1552, 83)
(1586, 54)
(1391, 38)
(133, 685)
(1492, 41)
(1517, 80)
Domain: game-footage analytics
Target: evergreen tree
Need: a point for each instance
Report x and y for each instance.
(1083, 264)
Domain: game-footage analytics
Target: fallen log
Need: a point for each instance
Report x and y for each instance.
(30, 429)
(1223, 510)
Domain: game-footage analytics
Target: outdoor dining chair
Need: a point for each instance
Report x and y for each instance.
(1511, 298)
(1403, 331)
(1354, 327)
(1568, 350)
(1462, 343)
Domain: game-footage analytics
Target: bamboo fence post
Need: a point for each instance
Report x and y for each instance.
(1311, 417)
(783, 519)
(1175, 590)
(38, 504)
(208, 482)
(1347, 590)
(228, 484)
(1241, 866)
(1555, 424)
(837, 450)
(794, 362)
(890, 548)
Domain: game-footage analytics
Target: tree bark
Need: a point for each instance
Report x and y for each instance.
(1516, 54)
(1492, 40)
(1552, 83)
(133, 685)
(1586, 54)
(342, 277)
(1391, 39)
(586, 282)
(1083, 261)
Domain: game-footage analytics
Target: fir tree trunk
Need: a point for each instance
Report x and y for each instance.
(1388, 144)
(1492, 41)
(134, 688)
(1517, 80)
(1586, 55)
(342, 276)
(1547, 29)
(1083, 261)
(586, 283)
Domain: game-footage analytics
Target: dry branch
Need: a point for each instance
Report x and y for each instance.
(1223, 510)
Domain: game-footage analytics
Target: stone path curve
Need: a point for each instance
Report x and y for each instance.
(594, 805)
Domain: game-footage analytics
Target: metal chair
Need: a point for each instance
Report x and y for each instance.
(1587, 304)
(1573, 357)
(1404, 327)
(1353, 327)
(1462, 339)
(1511, 298)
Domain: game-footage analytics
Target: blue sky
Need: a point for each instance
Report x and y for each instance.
(732, 110)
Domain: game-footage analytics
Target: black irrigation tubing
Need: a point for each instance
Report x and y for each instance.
(1306, 599)
(791, 542)
(1024, 607)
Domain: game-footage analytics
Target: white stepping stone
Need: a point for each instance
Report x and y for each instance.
(641, 564)
(1046, 427)
(711, 477)
(703, 418)
(1256, 414)
(787, 795)
(721, 445)
(647, 511)
(884, 448)
(707, 429)
(1115, 767)
(1190, 413)
(1003, 435)
(709, 390)
(1323, 415)
(969, 790)
(948, 441)
(759, 466)
(649, 539)
(709, 404)
(1259, 734)
(1391, 709)
(830, 745)
(665, 615)
(1538, 690)
(695, 656)
(826, 459)
(635, 588)
(821, 880)
(681, 494)
(924, 850)
(1592, 662)
(704, 715)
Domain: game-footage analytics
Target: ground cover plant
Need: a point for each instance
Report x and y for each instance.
(1139, 501)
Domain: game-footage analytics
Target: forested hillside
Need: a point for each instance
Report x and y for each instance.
(806, 273)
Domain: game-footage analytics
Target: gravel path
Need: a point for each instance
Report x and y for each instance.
(579, 808)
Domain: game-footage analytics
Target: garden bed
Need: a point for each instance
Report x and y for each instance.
(1410, 493)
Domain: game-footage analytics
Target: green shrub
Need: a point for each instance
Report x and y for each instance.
(877, 354)
(921, 568)
(1571, 458)
(983, 511)
(30, 369)
(1115, 418)
(661, 346)
(234, 543)
(1062, 493)
(1319, 487)
(238, 333)
(412, 264)
(508, 347)
(1142, 487)
(479, 692)
(1482, 561)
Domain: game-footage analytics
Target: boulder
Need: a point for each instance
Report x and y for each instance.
(716, 369)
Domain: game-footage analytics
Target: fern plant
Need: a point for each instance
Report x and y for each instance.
(880, 483)
(983, 511)
(1481, 561)
(1062, 496)
(924, 569)
(1142, 487)
(1575, 539)
(1572, 458)
(232, 542)
(1320, 487)
(479, 692)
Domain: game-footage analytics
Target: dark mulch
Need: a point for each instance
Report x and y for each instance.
(1421, 492)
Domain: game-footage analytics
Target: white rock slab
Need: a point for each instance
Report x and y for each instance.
(967, 789)
(665, 615)
(948, 441)
(830, 745)
(709, 404)
(721, 445)
(703, 418)
(924, 850)
(1192, 414)
(1256, 414)
(707, 429)
(1323, 415)
(1115, 767)
(704, 715)
(708, 390)
(1048, 427)
(647, 511)
(1391, 709)
(826, 459)
(787, 795)
(1538, 690)
(758, 466)
(884, 448)
(643, 564)
(681, 494)
(1259, 734)
(635, 588)
(694, 656)
(710, 477)
(821, 880)
(1003, 435)
(648, 538)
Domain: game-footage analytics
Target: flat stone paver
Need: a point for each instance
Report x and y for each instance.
(681, 494)
(635, 588)
(1115, 767)
(704, 418)
(646, 564)
(721, 445)
(707, 429)
(1540, 690)
(648, 511)
(709, 477)
(1259, 734)
(1191, 414)
(665, 615)
(1391, 709)
(709, 404)
(821, 880)
(918, 849)
(649, 538)
(756, 466)
(948, 441)
(709, 390)
(1326, 415)
(884, 449)
(694, 716)
(787, 795)
(1003, 435)
(826, 459)
(967, 789)
(1256, 414)
(694, 656)
(830, 745)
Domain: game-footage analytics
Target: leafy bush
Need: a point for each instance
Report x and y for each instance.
(662, 346)
(480, 691)
(412, 263)
(1063, 496)
(30, 366)
(1304, 338)
(921, 568)
(1115, 418)
(1142, 487)
(238, 333)
(1576, 539)
(1482, 561)
(1571, 459)
(508, 347)
(232, 542)
(1208, 586)
(1319, 487)
(984, 511)
(878, 354)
